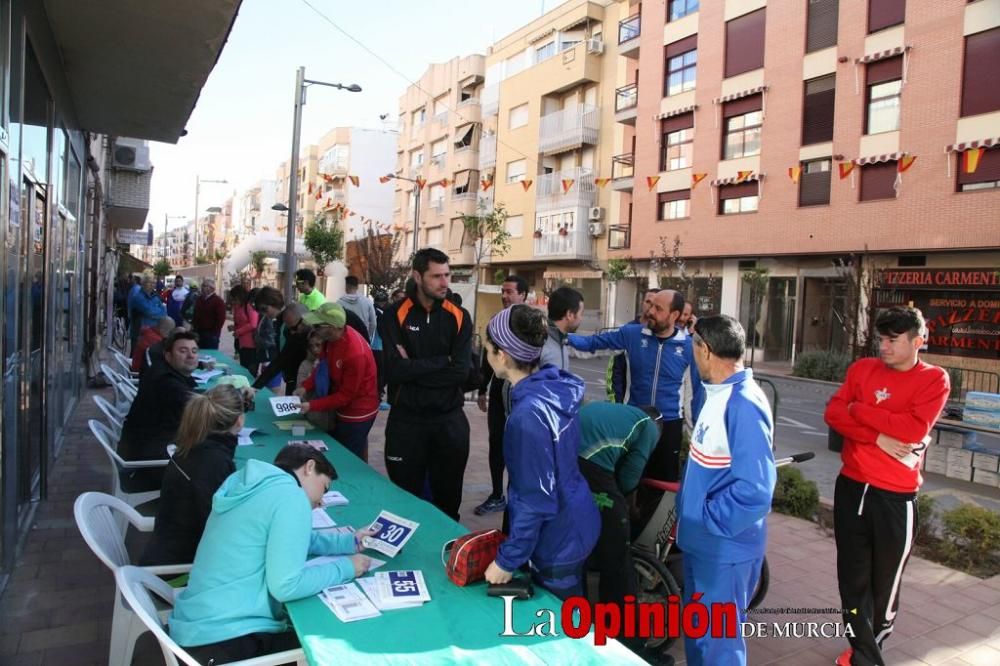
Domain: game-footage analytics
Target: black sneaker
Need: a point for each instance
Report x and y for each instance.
(491, 505)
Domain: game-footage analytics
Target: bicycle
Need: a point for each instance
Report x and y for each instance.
(659, 569)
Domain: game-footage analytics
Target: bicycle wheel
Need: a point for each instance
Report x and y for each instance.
(762, 583)
(654, 584)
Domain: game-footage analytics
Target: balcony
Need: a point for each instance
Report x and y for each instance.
(619, 237)
(569, 129)
(127, 197)
(487, 151)
(626, 104)
(623, 172)
(491, 100)
(575, 66)
(628, 36)
(563, 235)
(582, 193)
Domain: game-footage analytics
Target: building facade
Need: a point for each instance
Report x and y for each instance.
(804, 140)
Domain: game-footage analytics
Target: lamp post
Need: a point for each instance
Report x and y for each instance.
(301, 84)
(198, 180)
(416, 205)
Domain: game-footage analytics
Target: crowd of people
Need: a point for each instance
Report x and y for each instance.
(573, 499)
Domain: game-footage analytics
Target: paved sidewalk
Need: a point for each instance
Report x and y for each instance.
(57, 607)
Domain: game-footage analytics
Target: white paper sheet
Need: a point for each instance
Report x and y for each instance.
(322, 520)
(348, 603)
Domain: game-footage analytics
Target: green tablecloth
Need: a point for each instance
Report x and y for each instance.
(458, 625)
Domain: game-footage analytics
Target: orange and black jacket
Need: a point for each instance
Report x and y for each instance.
(438, 344)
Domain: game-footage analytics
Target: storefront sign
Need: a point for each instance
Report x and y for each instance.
(135, 237)
(942, 278)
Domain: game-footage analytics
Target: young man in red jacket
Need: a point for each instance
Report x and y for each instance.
(209, 316)
(344, 378)
(885, 410)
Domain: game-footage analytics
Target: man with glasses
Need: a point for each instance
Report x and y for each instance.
(292, 351)
(309, 296)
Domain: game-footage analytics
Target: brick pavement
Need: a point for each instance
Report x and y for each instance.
(57, 606)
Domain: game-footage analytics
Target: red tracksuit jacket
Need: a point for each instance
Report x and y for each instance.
(353, 394)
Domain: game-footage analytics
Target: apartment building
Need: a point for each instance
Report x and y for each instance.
(440, 139)
(548, 109)
(790, 135)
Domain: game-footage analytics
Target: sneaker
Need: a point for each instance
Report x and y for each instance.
(384, 407)
(491, 505)
(845, 658)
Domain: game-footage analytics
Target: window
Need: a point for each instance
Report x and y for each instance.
(678, 9)
(435, 237)
(817, 110)
(465, 136)
(515, 171)
(676, 142)
(674, 205)
(416, 158)
(745, 43)
(518, 116)
(885, 14)
(742, 120)
(439, 148)
(821, 24)
(419, 116)
(682, 63)
(544, 52)
(437, 196)
(739, 198)
(878, 181)
(441, 108)
(884, 85)
(514, 64)
(986, 175)
(466, 182)
(515, 225)
(814, 183)
(980, 92)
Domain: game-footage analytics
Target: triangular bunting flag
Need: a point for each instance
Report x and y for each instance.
(601, 182)
(526, 184)
(444, 182)
(794, 173)
(486, 183)
(970, 159)
(319, 195)
(355, 180)
(651, 182)
(697, 178)
(567, 184)
(905, 162)
(741, 176)
(351, 214)
(310, 190)
(845, 169)
(384, 179)
(329, 203)
(420, 181)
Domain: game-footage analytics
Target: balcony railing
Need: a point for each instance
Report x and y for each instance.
(619, 237)
(581, 193)
(487, 151)
(569, 129)
(564, 235)
(623, 172)
(626, 97)
(629, 28)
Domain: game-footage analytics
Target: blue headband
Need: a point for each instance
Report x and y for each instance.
(500, 333)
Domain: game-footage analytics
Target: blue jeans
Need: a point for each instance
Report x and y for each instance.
(353, 435)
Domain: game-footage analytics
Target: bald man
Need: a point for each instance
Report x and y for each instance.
(659, 357)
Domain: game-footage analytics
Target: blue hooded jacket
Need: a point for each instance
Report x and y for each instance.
(251, 559)
(657, 367)
(553, 519)
(729, 478)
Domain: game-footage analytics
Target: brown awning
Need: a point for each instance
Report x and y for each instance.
(741, 94)
(882, 55)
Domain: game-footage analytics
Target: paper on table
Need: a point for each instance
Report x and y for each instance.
(205, 375)
(243, 438)
(401, 587)
(286, 405)
(334, 498)
(317, 444)
(348, 603)
(369, 586)
(392, 533)
(288, 425)
(327, 559)
(322, 520)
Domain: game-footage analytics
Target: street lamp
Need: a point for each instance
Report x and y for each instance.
(301, 83)
(416, 204)
(198, 180)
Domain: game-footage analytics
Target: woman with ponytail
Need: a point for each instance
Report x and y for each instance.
(206, 444)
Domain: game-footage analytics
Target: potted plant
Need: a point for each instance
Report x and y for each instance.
(538, 233)
(564, 230)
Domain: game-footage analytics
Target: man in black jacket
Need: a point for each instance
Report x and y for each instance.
(293, 341)
(427, 342)
(152, 421)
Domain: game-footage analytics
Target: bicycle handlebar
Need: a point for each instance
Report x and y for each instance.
(674, 487)
(795, 458)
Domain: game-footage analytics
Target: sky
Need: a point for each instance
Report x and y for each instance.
(241, 127)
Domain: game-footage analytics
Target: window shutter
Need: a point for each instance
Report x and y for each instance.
(821, 25)
(980, 92)
(682, 46)
(745, 43)
(814, 188)
(877, 181)
(987, 170)
(676, 195)
(740, 106)
(885, 13)
(879, 71)
(738, 190)
(817, 111)
(683, 121)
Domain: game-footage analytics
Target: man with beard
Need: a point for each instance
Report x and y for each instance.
(617, 376)
(427, 346)
(293, 352)
(659, 355)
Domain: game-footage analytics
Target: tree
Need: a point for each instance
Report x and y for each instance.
(377, 250)
(755, 279)
(200, 260)
(488, 235)
(258, 262)
(325, 241)
(855, 312)
(671, 261)
(162, 268)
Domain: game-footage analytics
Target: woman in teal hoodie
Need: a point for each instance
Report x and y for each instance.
(251, 559)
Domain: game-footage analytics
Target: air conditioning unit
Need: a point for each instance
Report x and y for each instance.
(596, 214)
(595, 45)
(131, 154)
(596, 229)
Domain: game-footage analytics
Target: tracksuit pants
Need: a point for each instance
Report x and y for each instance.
(719, 582)
(428, 446)
(875, 530)
(496, 421)
(612, 556)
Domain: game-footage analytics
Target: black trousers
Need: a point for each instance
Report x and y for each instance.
(243, 647)
(435, 447)
(664, 462)
(496, 420)
(248, 359)
(874, 530)
(612, 556)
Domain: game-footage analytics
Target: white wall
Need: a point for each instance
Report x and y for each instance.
(373, 154)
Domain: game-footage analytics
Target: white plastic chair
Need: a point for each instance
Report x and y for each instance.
(115, 415)
(125, 393)
(126, 363)
(105, 436)
(96, 520)
(139, 585)
(115, 377)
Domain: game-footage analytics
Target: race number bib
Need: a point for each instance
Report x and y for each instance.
(392, 533)
(286, 405)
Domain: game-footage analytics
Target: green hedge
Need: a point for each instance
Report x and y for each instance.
(794, 495)
(826, 365)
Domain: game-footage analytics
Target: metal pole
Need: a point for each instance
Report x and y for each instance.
(416, 216)
(165, 218)
(197, 196)
(293, 185)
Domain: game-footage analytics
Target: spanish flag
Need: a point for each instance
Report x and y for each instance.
(743, 175)
(420, 181)
(384, 179)
(355, 180)
(567, 184)
(794, 173)
(310, 190)
(970, 159)
(845, 169)
(319, 194)
(905, 162)
(697, 178)
(601, 182)
(444, 182)
(486, 183)
(651, 182)
(526, 184)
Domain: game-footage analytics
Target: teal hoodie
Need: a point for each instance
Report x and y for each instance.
(251, 559)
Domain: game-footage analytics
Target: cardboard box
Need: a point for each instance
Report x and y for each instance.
(991, 479)
(935, 467)
(981, 417)
(982, 400)
(959, 457)
(950, 438)
(988, 462)
(936, 454)
(959, 472)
